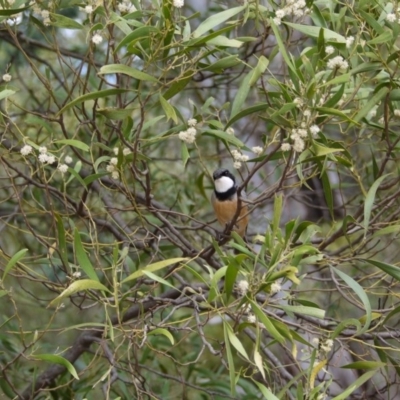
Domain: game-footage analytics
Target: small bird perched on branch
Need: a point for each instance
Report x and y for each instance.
(225, 201)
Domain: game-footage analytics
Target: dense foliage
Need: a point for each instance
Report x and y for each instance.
(116, 280)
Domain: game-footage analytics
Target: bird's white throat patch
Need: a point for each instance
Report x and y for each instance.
(223, 184)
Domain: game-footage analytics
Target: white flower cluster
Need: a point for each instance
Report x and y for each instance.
(257, 150)
(189, 136)
(88, 9)
(46, 17)
(7, 77)
(329, 50)
(296, 8)
(326, 346)
(243, 287)
(125, 151)
(238, 158)
(275, 288)
(394, 16)
(112, 168)
(47, 158)
(126, 6)
(349, 41)
(178, 3)
(97, 38)
(337, 63)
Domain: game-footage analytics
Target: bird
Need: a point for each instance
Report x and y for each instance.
(225, 201)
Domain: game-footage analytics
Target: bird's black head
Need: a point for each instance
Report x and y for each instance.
(223, 172)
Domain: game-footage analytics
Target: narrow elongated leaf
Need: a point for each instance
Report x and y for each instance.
(236, 343)
(313, 31)
(139, 33)
(359, 291)
(82, 258)
(75, 143)
(169, 110)
(247, 111)
(6, 93)
(158, 279)
(364, 365)
(231, 363)
(162, 331)
(355, 385)
(375, 99)
(369, 201)
(259, 363)
(312, 311)
(391, 270)
(241, 95)
(269, 326)
(215, 20)
(62, 244)
(55, 359)
(282, 47)
(92, 96)
(224, 136)
(79, 286)
(62, 21)
(13, 260)
(154, 267)
(130, 71)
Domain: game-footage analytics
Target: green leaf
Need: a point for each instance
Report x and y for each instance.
(223, 63)
(259, 362)
(231, 363)
(62, 244)
(79, 286)
(216, 19)
(314, 31)
(311, 311)
(230, 277)
(241, 95)
(55, 359)
(91, 96)
(375, 99)
(236, 343)
(13, 11)
(162, 331)
(82, 258)
(359, 291)
(224, 136)
(6, 93)
(64, 22)
(247, 111)
(335, 112)
(168, 109)
(282, 47)
(320, 150)
(75, 143)
(389, 269)
(139, 33)
(158, 279)
(355, 385)
(130, 71)
(369, 201)
(117, 114)
(385, 37)
(223, 41)
(178, 85)
(154, 267)
(269, 326)
(184, 153)
(13, 260)
(259, 69)
(265, 391)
